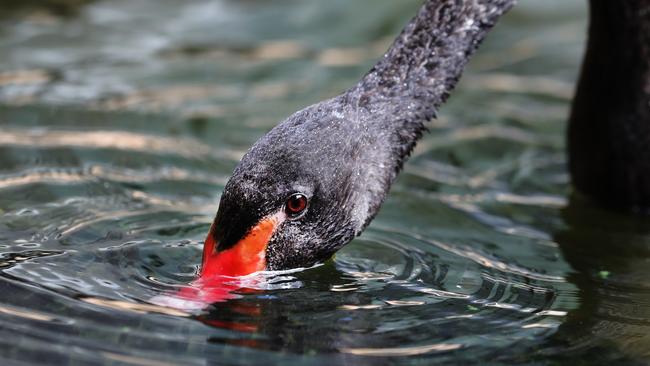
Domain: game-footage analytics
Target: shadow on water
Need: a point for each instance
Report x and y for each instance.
(610, 256)
(281, 319)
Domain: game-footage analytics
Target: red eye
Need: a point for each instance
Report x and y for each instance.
(296, 204)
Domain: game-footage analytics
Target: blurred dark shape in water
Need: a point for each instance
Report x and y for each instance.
(62, 8)
(609, 254)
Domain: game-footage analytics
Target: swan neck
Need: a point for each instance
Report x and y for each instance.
(609, 127)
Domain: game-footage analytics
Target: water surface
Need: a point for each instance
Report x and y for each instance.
(121, 121)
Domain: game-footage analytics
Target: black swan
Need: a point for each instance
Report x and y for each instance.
(609, 126)
(317, 179)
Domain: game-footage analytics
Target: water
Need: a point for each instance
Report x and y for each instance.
(121, 121)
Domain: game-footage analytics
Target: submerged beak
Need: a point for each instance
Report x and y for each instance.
(245, 257)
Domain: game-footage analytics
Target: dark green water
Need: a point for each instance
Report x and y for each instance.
(120, 122)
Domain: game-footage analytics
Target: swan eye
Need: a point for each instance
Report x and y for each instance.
(296, 204)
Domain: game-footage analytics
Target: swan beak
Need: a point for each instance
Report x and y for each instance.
(247, 256)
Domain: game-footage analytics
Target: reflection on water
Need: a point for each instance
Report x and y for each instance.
(610, 255)
(121, 121)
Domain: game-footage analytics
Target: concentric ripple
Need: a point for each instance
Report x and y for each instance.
(113, 155)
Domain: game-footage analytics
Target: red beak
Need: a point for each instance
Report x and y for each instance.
(245, 257)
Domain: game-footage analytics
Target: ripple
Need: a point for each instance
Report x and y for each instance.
(448, 284)
(53, 175)
(402, 351)
(115, 140)
(9, 259)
